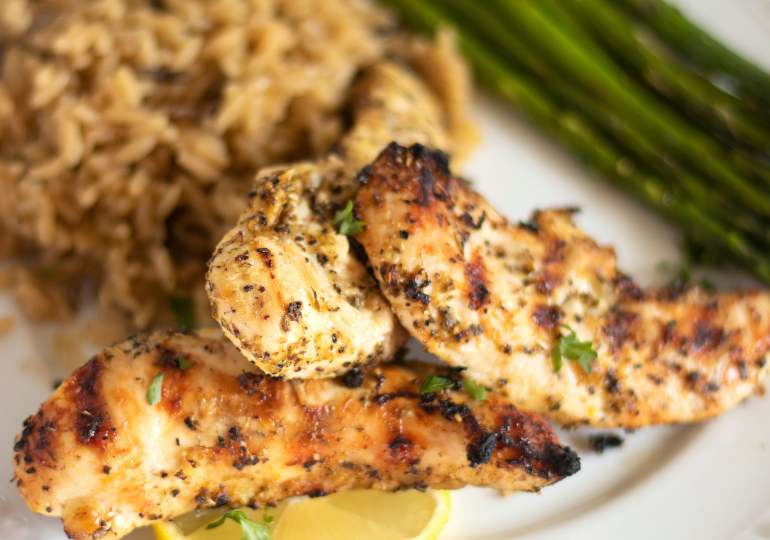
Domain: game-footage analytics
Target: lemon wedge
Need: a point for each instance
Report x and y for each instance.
(350, 515)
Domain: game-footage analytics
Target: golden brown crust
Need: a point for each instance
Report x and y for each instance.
(286, 288)
(97, 454)
(482, 293)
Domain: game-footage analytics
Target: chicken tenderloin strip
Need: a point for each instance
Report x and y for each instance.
(99, 455)
(482, 293)
(283, 284)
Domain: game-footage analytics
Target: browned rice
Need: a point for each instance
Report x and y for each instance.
(130, 131)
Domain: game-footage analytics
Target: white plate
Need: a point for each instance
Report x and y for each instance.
(709, 481)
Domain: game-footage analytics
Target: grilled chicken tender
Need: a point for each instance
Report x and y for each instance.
(105, 460)
(283, 284)
(491, 296)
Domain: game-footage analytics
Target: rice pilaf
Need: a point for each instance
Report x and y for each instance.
(130, 131)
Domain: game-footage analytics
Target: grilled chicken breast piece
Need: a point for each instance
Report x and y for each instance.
(491, 296)
(286, 288)
(222, 433)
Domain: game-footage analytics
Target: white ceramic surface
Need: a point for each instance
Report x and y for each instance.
(709, 481)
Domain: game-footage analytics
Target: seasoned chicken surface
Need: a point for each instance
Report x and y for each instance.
(222, 433)
(491, 296)
(286, 288)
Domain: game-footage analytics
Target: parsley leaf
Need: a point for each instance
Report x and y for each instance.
(50, 272)
(573, 349)
(696, 254)
(153, 393)
(680, 274)
(183, 309)
(706, 285)
(556, 361)
(183, 364)
(250, 530)
(347, 222)
(266, 518)
(478, 393)
(434, 382)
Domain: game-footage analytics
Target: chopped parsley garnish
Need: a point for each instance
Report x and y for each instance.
(571, 348)
(267, 519)
(183, 364)
(681, 274)
(347, 222)
(677, 271)
(696, 254)
(153, 393)
(183, 309)
(434, 382)
(250, 530)
(478, 393)
(50, 272)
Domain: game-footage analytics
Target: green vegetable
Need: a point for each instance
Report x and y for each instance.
(710, 106)
(708, 54)
(156, 387)
(697, 254)
(478, 393)
(554, 69)
(50, 272)
(681, 274)
(183, 363)
(588, 68)
(183, 309)
(250, 530)
(347, 222)
(434, 382)
(571, 348)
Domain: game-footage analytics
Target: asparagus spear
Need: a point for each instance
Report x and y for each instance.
(710, 55)
(572, 130)
(649, 151)
(735, 113)
(520, 54)
(744, 163)
(597, 73)
(577, 134)
(697, 96)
